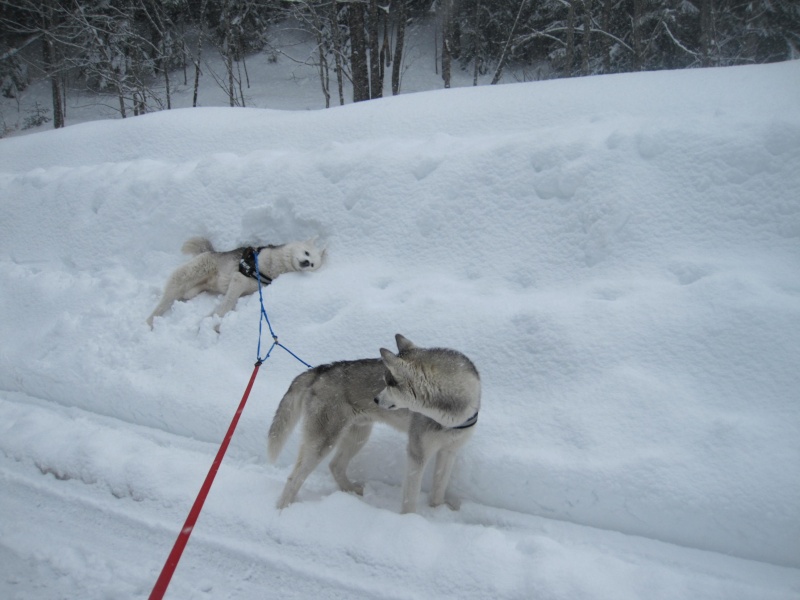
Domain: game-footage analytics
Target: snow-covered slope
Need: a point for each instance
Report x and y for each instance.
(618, 255)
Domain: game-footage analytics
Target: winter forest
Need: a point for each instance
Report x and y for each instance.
(130, 49)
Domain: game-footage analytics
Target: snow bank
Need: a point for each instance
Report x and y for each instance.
(618, 255)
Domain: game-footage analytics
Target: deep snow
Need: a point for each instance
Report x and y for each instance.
(618, 255)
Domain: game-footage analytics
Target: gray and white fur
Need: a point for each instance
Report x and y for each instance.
(431, 393)
(218, 272)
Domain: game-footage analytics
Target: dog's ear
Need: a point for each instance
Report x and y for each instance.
(403, 343)
(394, 363)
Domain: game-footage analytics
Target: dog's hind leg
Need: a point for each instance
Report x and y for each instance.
(306, 463)
(239, 286)
(352, 441)
(315, 447)
(169, 297)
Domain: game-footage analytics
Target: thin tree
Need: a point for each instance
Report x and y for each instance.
(570, 51)
(401, 17)
(375, 62)
(501, 63)
(587, 33)
(50, 22)
(358, 52)
(447, 40)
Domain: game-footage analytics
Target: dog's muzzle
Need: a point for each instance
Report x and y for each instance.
(378, 402)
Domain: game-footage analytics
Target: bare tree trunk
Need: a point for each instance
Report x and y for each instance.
(402, 16)
(200, 40)
(244, 66)
(227, 50)
(436, 50)
(476, 42)
(166, 82)
(638, 58)
(336, 35)
(376, 80)
(324, 73)
(229, 66)
(501, 63)
(447, 40)
(570, 57)
(121, 97)
(607, 40)
(358, 53)
(161, 24)
(324, 77)
(706, 32)
(239, 64)
(50, 64)
(587, 32)
(386, 45)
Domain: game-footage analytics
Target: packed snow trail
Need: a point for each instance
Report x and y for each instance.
(108, 524)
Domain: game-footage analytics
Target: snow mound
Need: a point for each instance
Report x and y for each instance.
(618, 255)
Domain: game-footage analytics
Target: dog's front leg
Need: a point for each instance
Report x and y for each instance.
(412, 486)
(418, 455)
(238, 287)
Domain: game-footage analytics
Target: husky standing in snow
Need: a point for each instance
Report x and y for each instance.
(432, 393)
(233, 273)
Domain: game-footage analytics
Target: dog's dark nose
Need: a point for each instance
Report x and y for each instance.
(376, 400)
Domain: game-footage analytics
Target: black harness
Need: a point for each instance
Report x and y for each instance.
(247, 264)
(468, 423)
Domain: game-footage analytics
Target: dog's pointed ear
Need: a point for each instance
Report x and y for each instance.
(403, 343)
(393, 362)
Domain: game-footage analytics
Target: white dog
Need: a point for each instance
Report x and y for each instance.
(432, 393)
(233, 273)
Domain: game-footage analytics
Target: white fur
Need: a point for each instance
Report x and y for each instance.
(437, 386)
(218, 272)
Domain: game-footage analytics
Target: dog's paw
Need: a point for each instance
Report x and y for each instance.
(355, 487)
(451, 502)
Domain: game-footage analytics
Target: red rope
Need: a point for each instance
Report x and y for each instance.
(183, 537)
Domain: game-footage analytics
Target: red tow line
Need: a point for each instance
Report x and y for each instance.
(183, 537)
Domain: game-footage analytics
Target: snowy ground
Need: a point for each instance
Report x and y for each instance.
(618, 255)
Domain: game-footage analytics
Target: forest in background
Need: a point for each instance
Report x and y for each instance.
(131, 48)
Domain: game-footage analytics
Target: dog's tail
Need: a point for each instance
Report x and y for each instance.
(196, 245)
(288, 413)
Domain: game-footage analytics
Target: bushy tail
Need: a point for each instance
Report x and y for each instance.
(287, 414)
(196, 245)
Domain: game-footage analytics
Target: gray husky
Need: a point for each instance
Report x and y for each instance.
(233, 273)
(432, 393)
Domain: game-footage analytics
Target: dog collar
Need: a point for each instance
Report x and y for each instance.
(468, 423)
(247, 264)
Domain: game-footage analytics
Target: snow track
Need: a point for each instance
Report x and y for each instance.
(90, 528)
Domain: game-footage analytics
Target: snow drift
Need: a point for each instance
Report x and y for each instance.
(618, 255)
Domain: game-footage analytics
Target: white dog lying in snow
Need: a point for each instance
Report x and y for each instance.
(233, 273)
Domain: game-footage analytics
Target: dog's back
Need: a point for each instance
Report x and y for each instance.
(331, 396)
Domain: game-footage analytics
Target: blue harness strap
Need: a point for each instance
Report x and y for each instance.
(265, 318)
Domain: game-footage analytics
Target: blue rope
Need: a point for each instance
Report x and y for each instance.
(264, 317)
